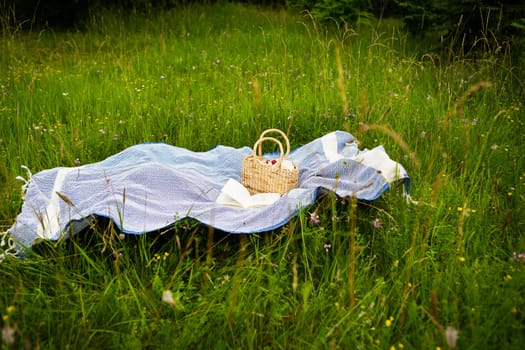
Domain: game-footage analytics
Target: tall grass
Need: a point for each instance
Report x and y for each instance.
(385, 274)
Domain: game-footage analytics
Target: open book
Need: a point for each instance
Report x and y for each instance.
(234, 193)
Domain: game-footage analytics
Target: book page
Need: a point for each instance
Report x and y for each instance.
(234, 193)
(264, 199)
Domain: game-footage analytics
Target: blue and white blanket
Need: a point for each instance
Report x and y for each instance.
(150, 186)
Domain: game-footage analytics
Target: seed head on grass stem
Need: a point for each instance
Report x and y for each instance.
(352, 219)
(457, 110)
(394, 136)
(341, 81)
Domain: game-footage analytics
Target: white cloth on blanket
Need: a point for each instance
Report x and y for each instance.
(150, 186)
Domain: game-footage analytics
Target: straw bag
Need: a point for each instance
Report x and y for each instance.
(261, 175)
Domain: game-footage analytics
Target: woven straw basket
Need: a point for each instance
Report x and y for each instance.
(263, 176)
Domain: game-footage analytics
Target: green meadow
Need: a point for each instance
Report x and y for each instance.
(388, 274)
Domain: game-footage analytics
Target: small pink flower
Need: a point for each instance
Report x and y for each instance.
(327, 247)
(377, 223)
(314, 218)
(518, 257)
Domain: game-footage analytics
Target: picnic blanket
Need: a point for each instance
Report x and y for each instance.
(150, 186)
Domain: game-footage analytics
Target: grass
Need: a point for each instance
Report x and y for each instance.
(382, 275)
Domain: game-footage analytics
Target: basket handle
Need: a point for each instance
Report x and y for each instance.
(284, 137)
(258, 145)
